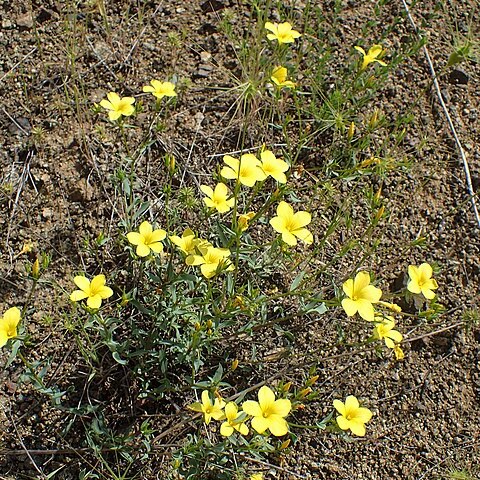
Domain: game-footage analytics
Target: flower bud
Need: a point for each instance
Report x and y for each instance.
(374, 119)
(286, 386)
(303, 393)
(36, 269)
(351, 131)
(170, 163)
(285, 444)
(380, 213)
(234, 365)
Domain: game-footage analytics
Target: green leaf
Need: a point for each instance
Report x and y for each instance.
(298, 280)
(116, 357)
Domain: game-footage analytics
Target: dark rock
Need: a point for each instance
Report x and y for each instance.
(458, 77)
(214, 5)
(43, 16)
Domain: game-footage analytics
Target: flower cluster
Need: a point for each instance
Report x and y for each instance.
(8, 325)
(361, 298)
(124, 106)
(266, 414)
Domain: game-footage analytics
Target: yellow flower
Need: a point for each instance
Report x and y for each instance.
(273, 166)
(186, 243)
(147, 239)
(361, 295)
(399, 355)
(257, 476)
(94, 291)
(118, 106)
(212, 260)
(247, 170)
(243, 220)
(8, 325)
(160, 89)
(421, 280)
(217, 198)
(352, 416)
(27, 248)
(282, 32)
(279, 78)
(233, 421)
(384, 330)
(371, 56)
(290, 224)
(210, 410)
(268, 413)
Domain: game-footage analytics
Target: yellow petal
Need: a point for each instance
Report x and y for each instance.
(350, 306)
(414, 287)
(304, 235)
(351, 403)
(339, 407)
(97, 282)
(425, 270)
(366, 310)
(82, 283)
(370, 293)
(231, 411)
(105, 292)
(106, 104)
(12, 316)
(428, 294)
(156, 247)
(343, 423)
(284, 210)
(134, 238)
(114, 98)
(252, 408)
(142, 250)
(266, 398)
(281, 407)
(278, 426)
(260, 424)
(362, 279)
(77, 295)
(226, 429)
(278, 224)
(145, 228)
(301, 219)
(348, 287)
(361, 50)
(158, 235)
(357, 428)
(94, 302)
(207, 190)
(271, 27)
(289, 239)
(363, 415)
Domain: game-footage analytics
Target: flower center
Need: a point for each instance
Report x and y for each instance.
(147, 239)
